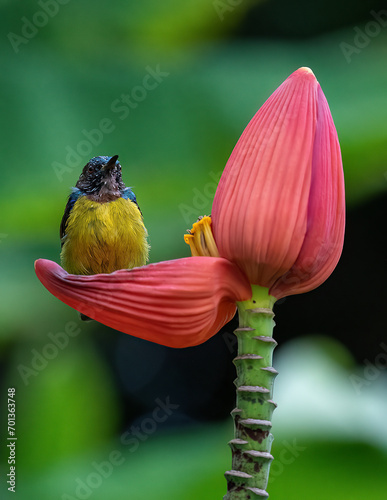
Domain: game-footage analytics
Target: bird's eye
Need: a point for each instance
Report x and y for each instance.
(90, 169)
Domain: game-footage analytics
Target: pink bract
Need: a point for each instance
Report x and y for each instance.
(177, 303)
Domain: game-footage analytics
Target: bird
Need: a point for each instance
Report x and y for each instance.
(102, 228)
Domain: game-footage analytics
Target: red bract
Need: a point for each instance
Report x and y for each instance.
(279, 210)
(277, 220)
(178, 303)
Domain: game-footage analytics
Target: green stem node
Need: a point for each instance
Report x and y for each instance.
(251, 445)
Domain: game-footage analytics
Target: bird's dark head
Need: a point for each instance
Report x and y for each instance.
(101, 179)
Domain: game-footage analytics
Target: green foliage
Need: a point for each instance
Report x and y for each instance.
(171, 467)
(64, 395)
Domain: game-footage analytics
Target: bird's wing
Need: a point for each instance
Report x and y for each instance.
(75, 194)
(128, 194)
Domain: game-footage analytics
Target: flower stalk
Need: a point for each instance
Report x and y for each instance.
(251, 445)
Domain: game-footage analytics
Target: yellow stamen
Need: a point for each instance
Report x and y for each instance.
(201, 240)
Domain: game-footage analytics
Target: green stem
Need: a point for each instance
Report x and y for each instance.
(251, 445)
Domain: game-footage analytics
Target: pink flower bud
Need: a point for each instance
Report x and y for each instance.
(279, 210)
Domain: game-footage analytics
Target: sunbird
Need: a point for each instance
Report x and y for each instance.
(102, 228)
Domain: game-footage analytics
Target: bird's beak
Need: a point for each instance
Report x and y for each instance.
(110, 164)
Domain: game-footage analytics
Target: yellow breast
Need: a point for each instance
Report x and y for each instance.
(104, 237)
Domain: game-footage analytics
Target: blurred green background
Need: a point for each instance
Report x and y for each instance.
(66, 69)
